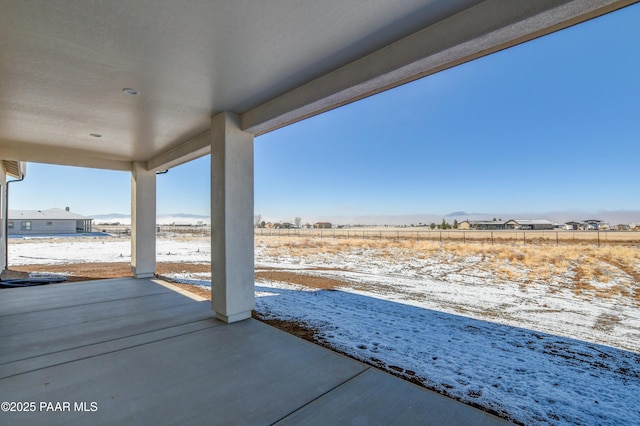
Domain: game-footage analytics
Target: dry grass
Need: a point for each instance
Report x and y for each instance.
(588, 269)
(305, 246)
(301, 279)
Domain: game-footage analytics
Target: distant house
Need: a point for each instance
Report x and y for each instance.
(591, 225)
(285, 225)
(572, 226)
(529, 224)
(482, 225)
(43, 222)
(322, 225)
(497, 225)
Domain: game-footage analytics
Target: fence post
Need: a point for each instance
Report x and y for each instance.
(557, 242)
(598, 238)
(491, 237)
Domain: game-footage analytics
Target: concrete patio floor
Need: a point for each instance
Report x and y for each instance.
(137, 351)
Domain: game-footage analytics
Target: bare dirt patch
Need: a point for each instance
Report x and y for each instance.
(103, 270)
(301, 279)
(296, 328)
(606, 322)
(195, 289)
(81, 271)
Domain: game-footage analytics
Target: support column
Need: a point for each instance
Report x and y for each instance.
(143, 221)
(3, 219)
(232, 275)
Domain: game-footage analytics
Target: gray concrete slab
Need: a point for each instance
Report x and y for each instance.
(243, 373)
(377, 398)
(139, 353)
(55, 329)
(53, 296)
(69, 316)
(87, 351)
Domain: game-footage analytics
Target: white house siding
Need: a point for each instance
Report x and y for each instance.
(530, 224)
(47, 222)
(42, 226)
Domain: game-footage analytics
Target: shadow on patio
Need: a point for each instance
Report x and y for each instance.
(136, 351)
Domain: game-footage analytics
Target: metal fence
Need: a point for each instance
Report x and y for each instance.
(161, 230)
(556, 237)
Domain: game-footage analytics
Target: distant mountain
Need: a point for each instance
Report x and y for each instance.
(613, 217)
(455, 214)
(466, 215)
(185, 215)
(462, 215)
(110, 216)
(161, 219)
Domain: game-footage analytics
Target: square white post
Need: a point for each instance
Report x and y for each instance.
(3, 227)
(232, 268)
(143, 221)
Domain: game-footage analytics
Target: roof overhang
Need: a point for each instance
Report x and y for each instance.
(64, 64)
(16, 169)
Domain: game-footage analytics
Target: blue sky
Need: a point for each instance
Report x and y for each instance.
(551, 125)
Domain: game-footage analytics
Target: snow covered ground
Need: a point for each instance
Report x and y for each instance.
(534, 351)
(69, 250)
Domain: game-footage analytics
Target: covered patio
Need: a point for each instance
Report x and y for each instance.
(138, 351)
(143, 86)
(146, 85)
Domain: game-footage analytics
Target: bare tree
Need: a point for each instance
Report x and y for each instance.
(257, 219)
(297, 221)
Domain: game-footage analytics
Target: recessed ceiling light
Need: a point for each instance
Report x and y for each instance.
(130, 91)
(95, 135)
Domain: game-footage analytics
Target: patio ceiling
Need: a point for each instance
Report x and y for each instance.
(64, 65)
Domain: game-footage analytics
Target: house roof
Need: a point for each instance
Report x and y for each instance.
(485, 222)
(65, 64)
(503, 222)
(50, 214)
(532, 221)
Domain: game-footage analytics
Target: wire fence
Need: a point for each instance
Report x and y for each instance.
(526, 237)
(161, 230)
